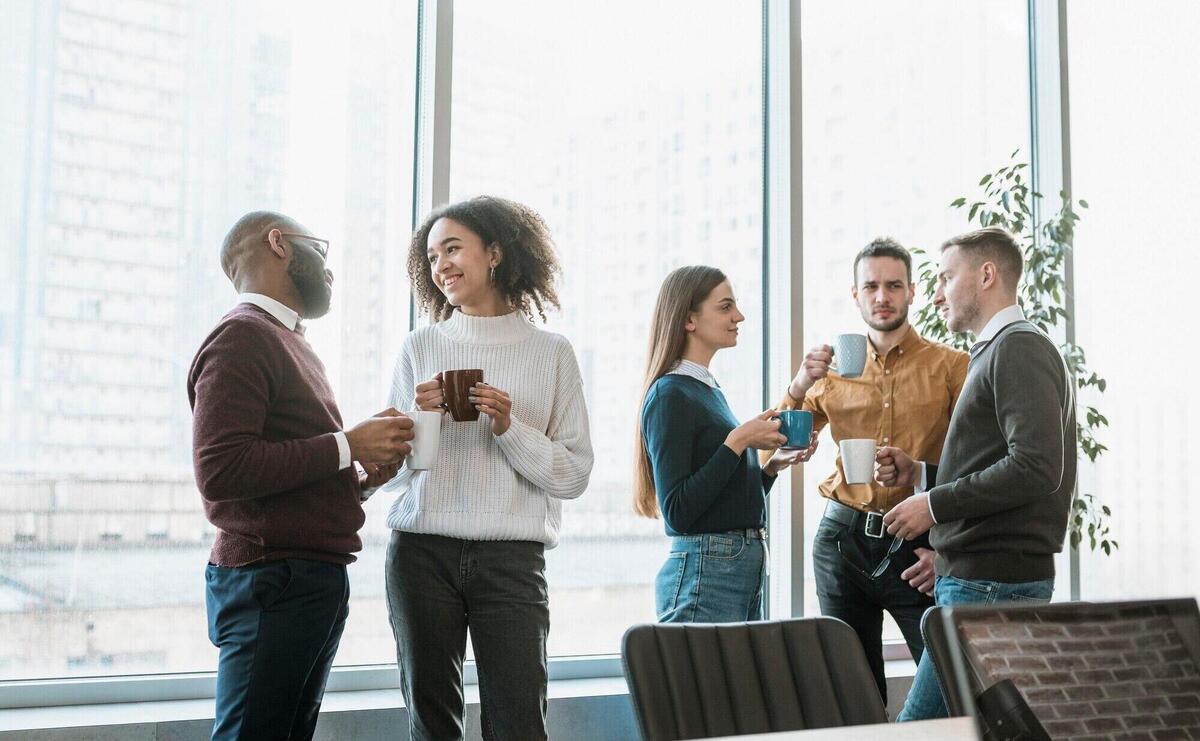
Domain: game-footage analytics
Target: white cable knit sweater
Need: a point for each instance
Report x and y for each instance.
(484, 487)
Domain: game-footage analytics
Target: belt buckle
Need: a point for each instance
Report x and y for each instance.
(874, 525)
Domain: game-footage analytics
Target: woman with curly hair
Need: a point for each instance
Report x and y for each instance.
(468, 536)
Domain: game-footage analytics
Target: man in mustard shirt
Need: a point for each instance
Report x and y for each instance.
(904, 399)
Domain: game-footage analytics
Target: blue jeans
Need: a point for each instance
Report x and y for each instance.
(712, 578)
(925, 697)
(278, 625)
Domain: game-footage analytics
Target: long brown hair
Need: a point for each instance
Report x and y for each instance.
(681, 294)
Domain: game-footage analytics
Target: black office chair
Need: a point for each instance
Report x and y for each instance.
(937, 645)
(702, 680)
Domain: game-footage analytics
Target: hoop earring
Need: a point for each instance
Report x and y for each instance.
(493, 273)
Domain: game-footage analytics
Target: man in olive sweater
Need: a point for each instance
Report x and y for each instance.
(278, 480)
(999, 498)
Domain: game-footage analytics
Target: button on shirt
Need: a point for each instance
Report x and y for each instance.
(903, 399)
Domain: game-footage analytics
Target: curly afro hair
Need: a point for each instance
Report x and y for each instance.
(527, 271)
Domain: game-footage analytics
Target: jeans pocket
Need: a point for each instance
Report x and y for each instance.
(271, 582)
(668, 583)
(1035, 592)
(829, 528)
(723, 546)
(952, 590)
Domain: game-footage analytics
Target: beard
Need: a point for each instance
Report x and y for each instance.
(886, 325)
(964, 318)
(308, 275)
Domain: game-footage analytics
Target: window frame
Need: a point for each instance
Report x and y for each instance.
(782, 245)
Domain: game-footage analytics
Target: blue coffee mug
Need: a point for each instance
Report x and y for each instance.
(797, 425)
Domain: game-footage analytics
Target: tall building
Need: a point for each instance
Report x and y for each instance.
(97, 264)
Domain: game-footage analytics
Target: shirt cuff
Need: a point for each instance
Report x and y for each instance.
(921, 486)
(343, 450)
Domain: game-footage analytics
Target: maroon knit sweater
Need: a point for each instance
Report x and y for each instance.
(263, 447)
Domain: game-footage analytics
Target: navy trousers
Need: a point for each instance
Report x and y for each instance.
(277, 625)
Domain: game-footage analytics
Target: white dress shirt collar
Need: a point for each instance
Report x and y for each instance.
(695, 370)
(999, 321)
(286, 316)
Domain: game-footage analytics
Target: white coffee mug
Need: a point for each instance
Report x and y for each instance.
(858, 460)
(427, 438)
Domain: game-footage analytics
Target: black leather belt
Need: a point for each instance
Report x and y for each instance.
(848, 516)
(753, 533)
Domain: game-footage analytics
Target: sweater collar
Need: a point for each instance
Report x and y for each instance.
(486, 330)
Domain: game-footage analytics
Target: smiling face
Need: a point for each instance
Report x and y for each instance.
(715, 324)
(957, 295)
(460, 264)
(883, 293)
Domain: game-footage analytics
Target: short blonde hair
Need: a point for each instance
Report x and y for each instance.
(996, 244)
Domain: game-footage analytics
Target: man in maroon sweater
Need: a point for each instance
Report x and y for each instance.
(277, 475)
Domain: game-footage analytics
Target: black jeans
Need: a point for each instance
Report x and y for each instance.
(437, 589)
(849, 595)
(278, 625)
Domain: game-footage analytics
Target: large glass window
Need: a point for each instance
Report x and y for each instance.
(134, 135)
(635, 129)
(1134, 159)
(906, 105)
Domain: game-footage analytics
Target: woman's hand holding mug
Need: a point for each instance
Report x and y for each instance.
(495, 404)
(782, 459)
(429, 396)
(760, 433)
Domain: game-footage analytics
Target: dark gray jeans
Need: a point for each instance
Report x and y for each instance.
(437, 589)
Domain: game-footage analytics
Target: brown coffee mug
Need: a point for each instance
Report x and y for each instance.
(457, 387)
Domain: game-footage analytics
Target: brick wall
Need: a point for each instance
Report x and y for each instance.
(1102, 672)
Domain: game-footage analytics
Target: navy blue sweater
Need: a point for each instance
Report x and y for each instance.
(702, 485)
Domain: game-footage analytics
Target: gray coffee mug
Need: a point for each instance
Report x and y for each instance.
(850, 350)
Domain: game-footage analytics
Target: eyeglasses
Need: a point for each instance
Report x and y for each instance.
(883, 565)
(318, 245)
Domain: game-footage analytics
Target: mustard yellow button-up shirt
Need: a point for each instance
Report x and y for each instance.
(903, 400)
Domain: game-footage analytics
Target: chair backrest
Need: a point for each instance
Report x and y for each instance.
(1082, 667)
(937, 645)
(701, 680)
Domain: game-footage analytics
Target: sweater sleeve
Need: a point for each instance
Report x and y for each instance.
(230, 386)
(684, 493)
(559, 459)
(1030, 392)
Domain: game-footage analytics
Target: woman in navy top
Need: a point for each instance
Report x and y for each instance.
(695, 463)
